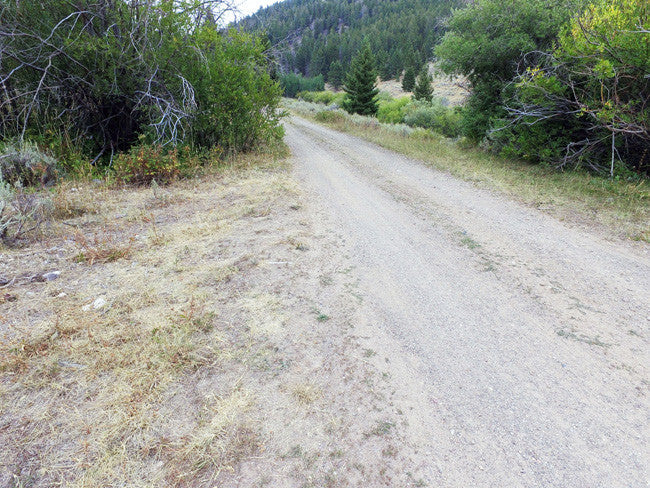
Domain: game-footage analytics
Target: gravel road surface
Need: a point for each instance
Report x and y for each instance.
(520, 342)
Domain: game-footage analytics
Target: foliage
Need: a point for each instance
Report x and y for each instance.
(361, 84)
(145, 163)
(490, 41)
(423, 90)
(408, 82)
(433, 115)
(293, 83)
(336, 74)
(393, 111)
(310, 35)
(594, 88)
(21, 212)
(325, 97)
(26, 165)
(101, 74)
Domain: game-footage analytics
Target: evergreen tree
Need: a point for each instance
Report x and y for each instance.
(423, 89)
(360, 84)
(336, 74)
(408, 82)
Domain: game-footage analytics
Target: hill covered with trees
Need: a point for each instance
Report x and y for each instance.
(316, 37)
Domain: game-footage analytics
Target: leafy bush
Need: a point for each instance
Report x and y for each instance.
(26, 165)
(393, 111)
(102, 74)
(434, 116)
(292, 84)
(331, 116)
(325, 97)
(145, 163)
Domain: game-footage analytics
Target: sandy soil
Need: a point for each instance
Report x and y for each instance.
(517, 345)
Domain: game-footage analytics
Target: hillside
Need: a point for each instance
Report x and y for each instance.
(310, 35)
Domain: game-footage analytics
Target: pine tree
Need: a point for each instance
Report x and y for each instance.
(423, 89)
(336, 74)
(408, 82)
(360, 84)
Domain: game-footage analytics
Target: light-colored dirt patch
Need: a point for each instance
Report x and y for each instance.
(220, 350)
(454, 90)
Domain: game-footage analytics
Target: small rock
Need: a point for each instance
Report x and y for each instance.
(62, 295)
(8, 298)
(99, 303)
(51, 276)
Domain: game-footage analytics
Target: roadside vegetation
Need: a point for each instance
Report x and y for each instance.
(620, 207)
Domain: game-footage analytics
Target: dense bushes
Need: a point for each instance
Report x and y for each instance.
(433, 115)
(102, 75)
(292, 84)
(555, 81)
(325, 97)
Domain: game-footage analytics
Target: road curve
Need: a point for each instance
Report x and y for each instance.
(528, 338)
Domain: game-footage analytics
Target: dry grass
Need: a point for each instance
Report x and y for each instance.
(90, 394)
(620, 208)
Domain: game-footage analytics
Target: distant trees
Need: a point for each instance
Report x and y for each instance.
(310, 35)
(292, 84)
(336, 74)
(408, 81)
(360, 84)
(423, 90)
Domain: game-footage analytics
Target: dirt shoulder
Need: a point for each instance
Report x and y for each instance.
(199, 334)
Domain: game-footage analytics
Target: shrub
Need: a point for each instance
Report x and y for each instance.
(292, 84)
(325, 97)
(393, 111)
(145, 163)
(331, 116)
(26, 165)
(102, 74)
(434, 116)
(20, 212)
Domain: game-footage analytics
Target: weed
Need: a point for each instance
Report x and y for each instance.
(382, 428)
(102, 248)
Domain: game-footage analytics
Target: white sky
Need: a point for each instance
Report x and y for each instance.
(247, 7)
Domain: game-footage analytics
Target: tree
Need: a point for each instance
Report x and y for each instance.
(595, 87)
(490, 42)
(360, 84)
(336, 74)
(408, 81)
(423, 89)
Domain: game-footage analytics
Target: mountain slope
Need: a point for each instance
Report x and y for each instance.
(310, 35)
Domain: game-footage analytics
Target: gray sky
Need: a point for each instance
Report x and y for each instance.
(248, 7)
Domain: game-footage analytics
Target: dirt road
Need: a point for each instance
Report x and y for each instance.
(517, 345)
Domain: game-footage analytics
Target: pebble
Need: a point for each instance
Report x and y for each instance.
(96, 305)
(51, 276)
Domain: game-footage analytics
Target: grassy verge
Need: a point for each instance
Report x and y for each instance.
(621, 208)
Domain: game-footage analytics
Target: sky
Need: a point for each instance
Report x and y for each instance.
(247, 7)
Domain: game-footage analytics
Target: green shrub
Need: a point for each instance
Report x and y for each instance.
(434, 116)
(292, 84)
(145, 163)
(99, 75)
(331, 116)
(393, 111)
(325, 97)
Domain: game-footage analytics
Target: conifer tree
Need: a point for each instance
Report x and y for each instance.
(408, 82)
(423, 89)
(336, 74)
(360, 84)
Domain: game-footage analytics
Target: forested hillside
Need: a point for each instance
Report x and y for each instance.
(313, 36)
